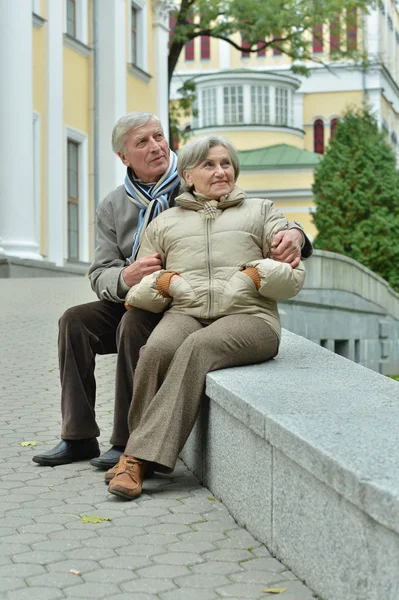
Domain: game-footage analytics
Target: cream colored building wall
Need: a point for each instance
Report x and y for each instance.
(286, 188)
(326, 106)
(248, 140)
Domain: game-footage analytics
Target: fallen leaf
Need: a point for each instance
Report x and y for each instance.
(211, 498)
(74, 572)
(94, 519)
(274, 590)
(23, 444)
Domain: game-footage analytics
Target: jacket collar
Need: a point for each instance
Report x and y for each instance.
(190, 202)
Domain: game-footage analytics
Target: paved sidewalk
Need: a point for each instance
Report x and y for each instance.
(174, 543)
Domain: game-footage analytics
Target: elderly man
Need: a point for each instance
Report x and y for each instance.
(105, 326)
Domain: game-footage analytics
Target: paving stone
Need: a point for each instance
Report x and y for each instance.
(150, 586)
(117, 576)
(200, 547)
(202, 581)
(296, 590)
(203, 536)
(241, 591)
(217, 567)
(126, 562)
(11, 549)
(168, 528)
(55, 579)
(228, 555)
(189, 594)
(163, 571)
(11, 583)
(44, 593)
(138, 596)
(91, 590)
(65, 566)
(177, 558)
(257, 564)
(141, 550)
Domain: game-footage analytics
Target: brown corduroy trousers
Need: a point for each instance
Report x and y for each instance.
(85, 330)
(170, 377)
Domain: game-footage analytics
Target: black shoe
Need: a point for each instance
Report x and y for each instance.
(68, 451)
(109, 459)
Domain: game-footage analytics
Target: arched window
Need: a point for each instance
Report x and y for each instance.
(318, 136)
(333, 126)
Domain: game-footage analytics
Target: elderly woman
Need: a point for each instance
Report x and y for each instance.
(219, 289)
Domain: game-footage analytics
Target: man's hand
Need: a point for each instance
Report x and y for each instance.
(145, 265)
(286, 246)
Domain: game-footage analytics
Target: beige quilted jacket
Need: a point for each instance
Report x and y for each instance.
(210, 254)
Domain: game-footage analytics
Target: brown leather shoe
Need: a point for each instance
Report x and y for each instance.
(110, 474)
(127, 481)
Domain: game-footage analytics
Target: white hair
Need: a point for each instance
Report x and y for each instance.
(130, 121)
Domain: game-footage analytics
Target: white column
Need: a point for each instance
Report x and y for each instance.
(17, 223)
(373, 42)
(111, 82)
(161, 10)
(56, 201)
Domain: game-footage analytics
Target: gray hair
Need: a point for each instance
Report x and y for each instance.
(194, 153)
(132, 120)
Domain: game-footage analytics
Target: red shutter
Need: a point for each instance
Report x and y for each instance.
(189, 50)
(351, 29)
(333, 126)
(318, 136)
(262, 51)
(172, 25)
(205, 46)
(244, 44)
(334, 34)
(318, 37)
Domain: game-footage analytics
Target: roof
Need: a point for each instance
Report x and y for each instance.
(280, 155)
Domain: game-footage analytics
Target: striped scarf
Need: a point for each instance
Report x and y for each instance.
(151, 199)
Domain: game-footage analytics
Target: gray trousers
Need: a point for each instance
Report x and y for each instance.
(170, 377)
(86, 330)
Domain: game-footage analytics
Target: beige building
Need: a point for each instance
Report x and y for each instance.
(68, 70)
(285, 119)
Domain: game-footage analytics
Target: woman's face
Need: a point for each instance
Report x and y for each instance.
(214, 176)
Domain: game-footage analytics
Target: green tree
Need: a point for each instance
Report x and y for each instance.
(286, 24)
(356, 193)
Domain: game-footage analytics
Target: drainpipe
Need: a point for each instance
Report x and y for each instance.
(364, 96)
(95, 105)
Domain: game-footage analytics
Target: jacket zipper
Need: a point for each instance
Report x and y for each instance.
(208, 260)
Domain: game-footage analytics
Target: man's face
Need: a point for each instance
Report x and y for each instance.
(146, 152)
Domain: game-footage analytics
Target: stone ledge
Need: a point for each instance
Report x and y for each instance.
(20, 267)
(304, 451)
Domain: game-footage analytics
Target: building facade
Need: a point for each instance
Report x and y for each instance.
(281, 123)
(68, 70)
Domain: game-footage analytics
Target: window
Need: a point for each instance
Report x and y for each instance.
(208, 98)
(260, 104)
(73, 200)
(334, 34)
(281, 106)
(261, 51)
(71, 18)
(351, 29)
(244, 44)
(318, 136)
(333, 126)
(233, 105)
(205, 47)
(133, 35)
(318, 37)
